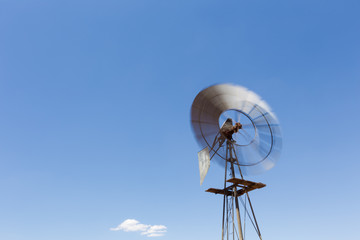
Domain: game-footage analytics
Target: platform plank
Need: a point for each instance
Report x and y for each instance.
(246, 183)
(219, 191)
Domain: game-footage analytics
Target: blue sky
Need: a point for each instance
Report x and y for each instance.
(95, 101)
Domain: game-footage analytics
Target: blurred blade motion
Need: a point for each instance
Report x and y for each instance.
(258, 140)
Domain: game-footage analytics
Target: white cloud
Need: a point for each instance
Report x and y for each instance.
(132, 225)
(155, 231)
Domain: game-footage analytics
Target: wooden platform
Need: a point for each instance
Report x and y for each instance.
(242, 185)
(246, 183)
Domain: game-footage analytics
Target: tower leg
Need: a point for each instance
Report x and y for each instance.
(222, 233)
(236, 199)
(238, 215)
(223, 219)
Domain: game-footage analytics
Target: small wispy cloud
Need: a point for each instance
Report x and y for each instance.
(132, 225)
(155, 231)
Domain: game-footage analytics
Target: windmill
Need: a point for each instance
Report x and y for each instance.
(238, 130)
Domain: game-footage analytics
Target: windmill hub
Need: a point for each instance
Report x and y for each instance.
(245, 132)
(228, 129)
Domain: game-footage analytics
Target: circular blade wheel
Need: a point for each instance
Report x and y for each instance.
(257, 143)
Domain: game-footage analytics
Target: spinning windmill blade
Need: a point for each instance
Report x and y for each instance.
(258, 141)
